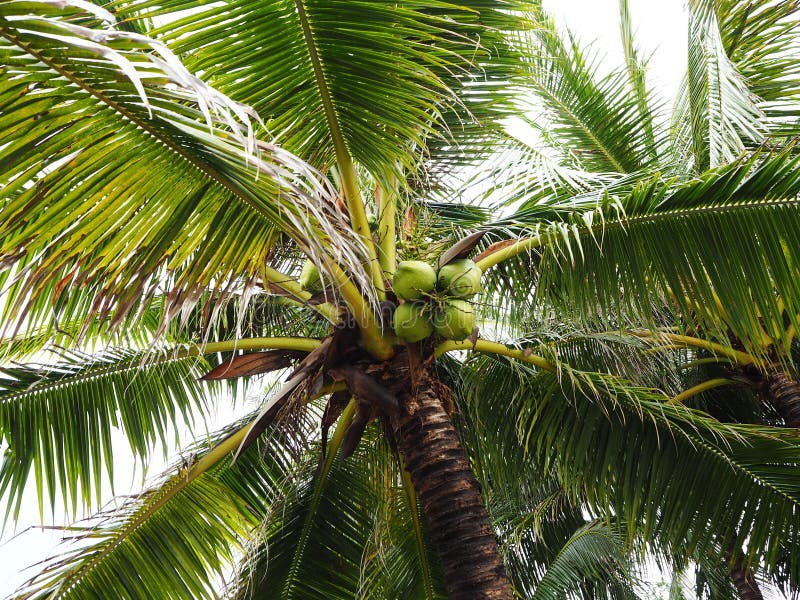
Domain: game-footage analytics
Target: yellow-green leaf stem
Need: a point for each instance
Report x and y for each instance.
(319, 483)
(347, 172)
(171, 489)
(509, 251)
(699, 389)
(766, 340)
(495, 348)
(187, 475)
(374, 340)
(419, 535)
(377, 344)
(685, 341)
(336, 441)
(267, 343)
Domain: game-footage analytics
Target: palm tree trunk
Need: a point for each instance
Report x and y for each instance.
(784, 393)
(459, 524)
(743, 579)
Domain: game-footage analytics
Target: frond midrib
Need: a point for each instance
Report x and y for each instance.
(318, 69)
(419, 537)
(707, 209)
(68, 380)
(349, 178)
(320, 483)
(624, 221)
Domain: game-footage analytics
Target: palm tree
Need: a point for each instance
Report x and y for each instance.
(152, 238)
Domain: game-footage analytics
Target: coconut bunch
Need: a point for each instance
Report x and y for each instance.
(435, 301)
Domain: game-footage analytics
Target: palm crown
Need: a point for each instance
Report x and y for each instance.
(631, 387)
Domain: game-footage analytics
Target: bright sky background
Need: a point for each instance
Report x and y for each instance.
(660, 28)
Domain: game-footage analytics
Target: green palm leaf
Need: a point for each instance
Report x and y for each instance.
(722, 111)
(623, 449)
(323, 523)
(58, 420)
(593, 553)
(717, 252)
(549, 547)
(85, 210)
(401, 562)
(597, 118)
(761, 40)
(351, 520)
(372, 77)
(637, 76)
(177, 539)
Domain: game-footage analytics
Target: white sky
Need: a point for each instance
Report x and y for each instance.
(660, 27)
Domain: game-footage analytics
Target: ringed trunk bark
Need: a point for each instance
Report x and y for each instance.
(784, 392)
(743, 579)
(459, 524)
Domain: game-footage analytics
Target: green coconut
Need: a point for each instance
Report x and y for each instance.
(413, 279)
(460, 278)
(455, 320)
(309, 277)
(411, 324)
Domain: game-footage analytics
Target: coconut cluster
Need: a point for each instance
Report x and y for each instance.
(435, 301)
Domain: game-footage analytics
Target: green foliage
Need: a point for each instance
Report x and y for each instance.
(84, 210)
(341, 529)
(57, 420)
(387, 72)
(142, 207)
(592, 116)
(602, 436)
(177, 539)
(614, 263)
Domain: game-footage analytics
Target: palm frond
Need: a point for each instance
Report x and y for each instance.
(596, 555)
(191, 525)
(258, 316)
(761, 39)
(44, 332)
(527, 174)
(350, 519)
(637, 77)
(82, 208)
(399, 560)
(716, 252)
(379, 76)
(541, 526)
(597, 118)
(321, 524)
(716, 113)
(626, 452)
(57, 420)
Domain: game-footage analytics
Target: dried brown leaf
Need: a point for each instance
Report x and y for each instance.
(461, 248)
(253, 363)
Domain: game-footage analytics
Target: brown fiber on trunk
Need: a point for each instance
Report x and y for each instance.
(457, 519)
(784, 392)
(743, 579)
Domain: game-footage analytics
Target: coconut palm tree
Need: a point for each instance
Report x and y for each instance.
(168, 168)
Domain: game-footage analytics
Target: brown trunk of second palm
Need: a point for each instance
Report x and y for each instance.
(457, 519)
(784, 392)
(743, 579)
